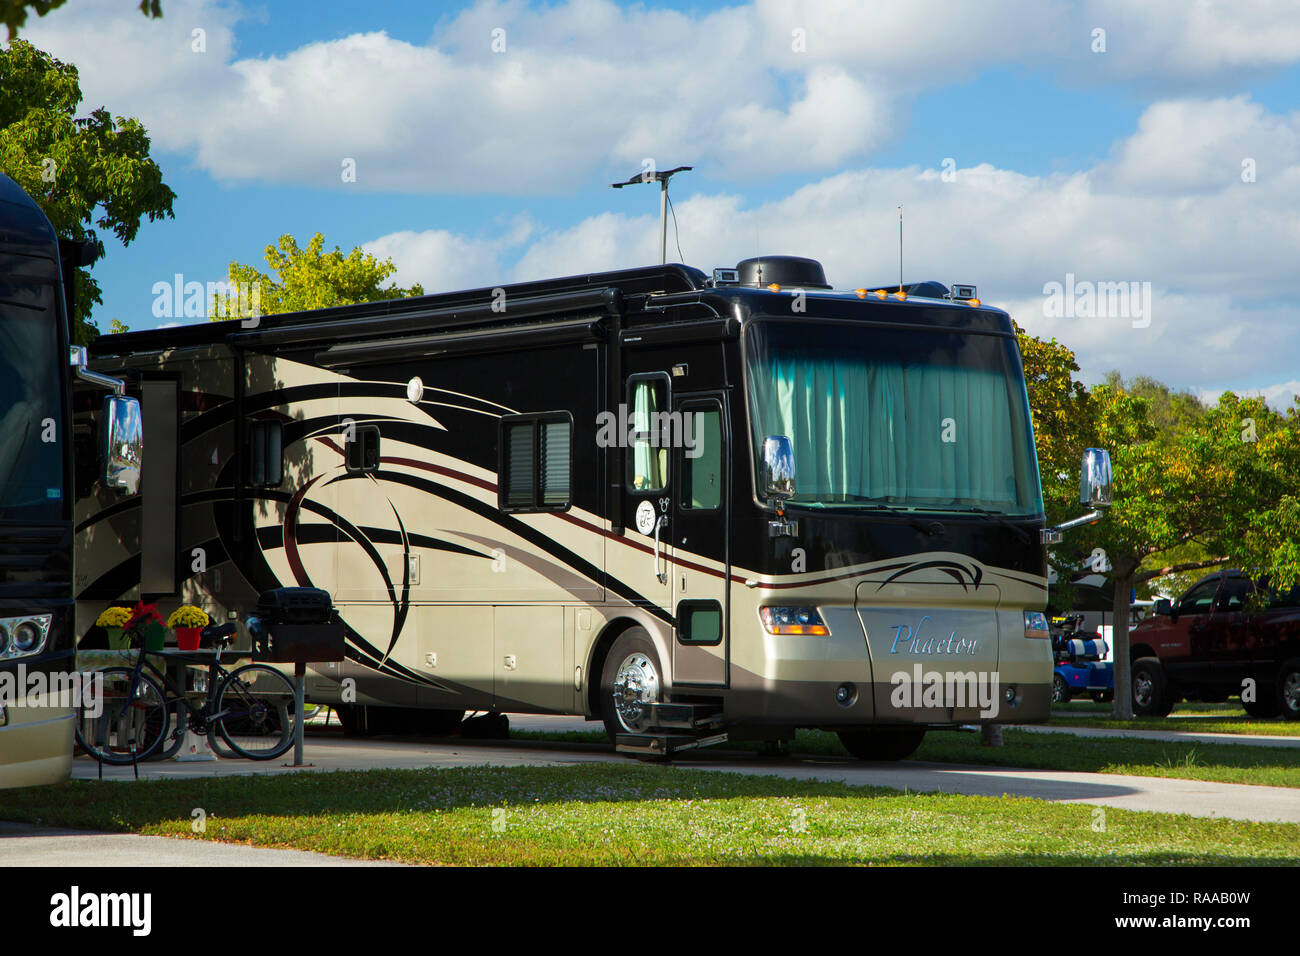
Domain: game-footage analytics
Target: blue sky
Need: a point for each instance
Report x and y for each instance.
(478, 167)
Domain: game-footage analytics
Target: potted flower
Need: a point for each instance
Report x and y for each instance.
(188, 621)
(148, 623)
(113, 621)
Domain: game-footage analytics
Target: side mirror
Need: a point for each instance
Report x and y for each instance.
(1095, 479)
(1163, 606)
(122, 444)
(778, 468)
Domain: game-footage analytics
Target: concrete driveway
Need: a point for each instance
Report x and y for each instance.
(324, 753)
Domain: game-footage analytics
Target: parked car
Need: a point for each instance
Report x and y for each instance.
(1082, 661)
(1209, 642)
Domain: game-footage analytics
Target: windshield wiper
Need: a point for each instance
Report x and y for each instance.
(933, 527)
(1000, 518)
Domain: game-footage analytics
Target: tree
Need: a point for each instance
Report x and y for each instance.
(88, 173)
(307, 278)
(13, 13)
(1196, 486)
(1064, 415)
(1204, 479)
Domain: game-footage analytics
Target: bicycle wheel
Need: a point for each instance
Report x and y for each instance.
(254, 712)
(130, 721)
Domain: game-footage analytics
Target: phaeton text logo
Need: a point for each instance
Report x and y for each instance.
(931, 644)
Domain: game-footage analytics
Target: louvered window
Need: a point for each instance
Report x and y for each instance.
(536, 462)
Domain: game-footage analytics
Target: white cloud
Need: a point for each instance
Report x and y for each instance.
(586, 87)
(1012, 234)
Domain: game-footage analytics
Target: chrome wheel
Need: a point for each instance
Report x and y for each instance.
(1291, 692)
(1142, 690)
(636, 684)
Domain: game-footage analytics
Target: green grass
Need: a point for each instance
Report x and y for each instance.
(1223, 763)
(629, 814)
(1188, 717)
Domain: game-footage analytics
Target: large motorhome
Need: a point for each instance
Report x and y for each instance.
(688, 506)
(36, 452)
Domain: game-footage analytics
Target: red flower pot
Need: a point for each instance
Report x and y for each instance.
(187, 638)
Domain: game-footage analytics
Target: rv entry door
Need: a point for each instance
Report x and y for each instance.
(700, 540)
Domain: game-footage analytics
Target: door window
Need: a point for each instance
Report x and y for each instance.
(1200, 599)
(701, 459)
(652, 433)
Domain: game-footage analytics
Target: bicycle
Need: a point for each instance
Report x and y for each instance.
(250, 708)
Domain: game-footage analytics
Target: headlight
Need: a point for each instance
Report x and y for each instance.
(23, 636)
(792, 620)
(1036, 624)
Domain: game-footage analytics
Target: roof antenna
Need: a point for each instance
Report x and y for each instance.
(900, 247)
(649, 174)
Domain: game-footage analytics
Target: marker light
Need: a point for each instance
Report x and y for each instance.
(900, 295)
(881, 293)
(973, 302)
(862, 293)
(793, 620)
(774, 287)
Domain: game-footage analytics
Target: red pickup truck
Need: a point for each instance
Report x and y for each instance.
(1209, 645)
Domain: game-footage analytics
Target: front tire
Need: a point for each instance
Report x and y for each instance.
(1288, 690)
(1151, 697)
(883, 743)
(1060, 690)
(134, 717)
(631, 678)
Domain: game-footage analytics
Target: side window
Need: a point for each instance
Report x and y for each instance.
(265, 454)
(699, 622)
(536, 465)
(363, 450)
(1199, 599)
(701, 459)
(1234, 593)
(647, 459)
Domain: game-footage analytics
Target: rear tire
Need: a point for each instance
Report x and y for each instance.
(1288, 689)
(257, 707)
(1151, 697)
(1265, 705)
(884, 743)
(631, 678)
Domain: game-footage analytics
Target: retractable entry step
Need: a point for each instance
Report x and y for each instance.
(663, 745)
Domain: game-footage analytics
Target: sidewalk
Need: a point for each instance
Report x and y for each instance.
(1173, 736)
(24, 845)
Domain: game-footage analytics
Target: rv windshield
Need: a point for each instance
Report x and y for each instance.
(934, 420)
(31, 410)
